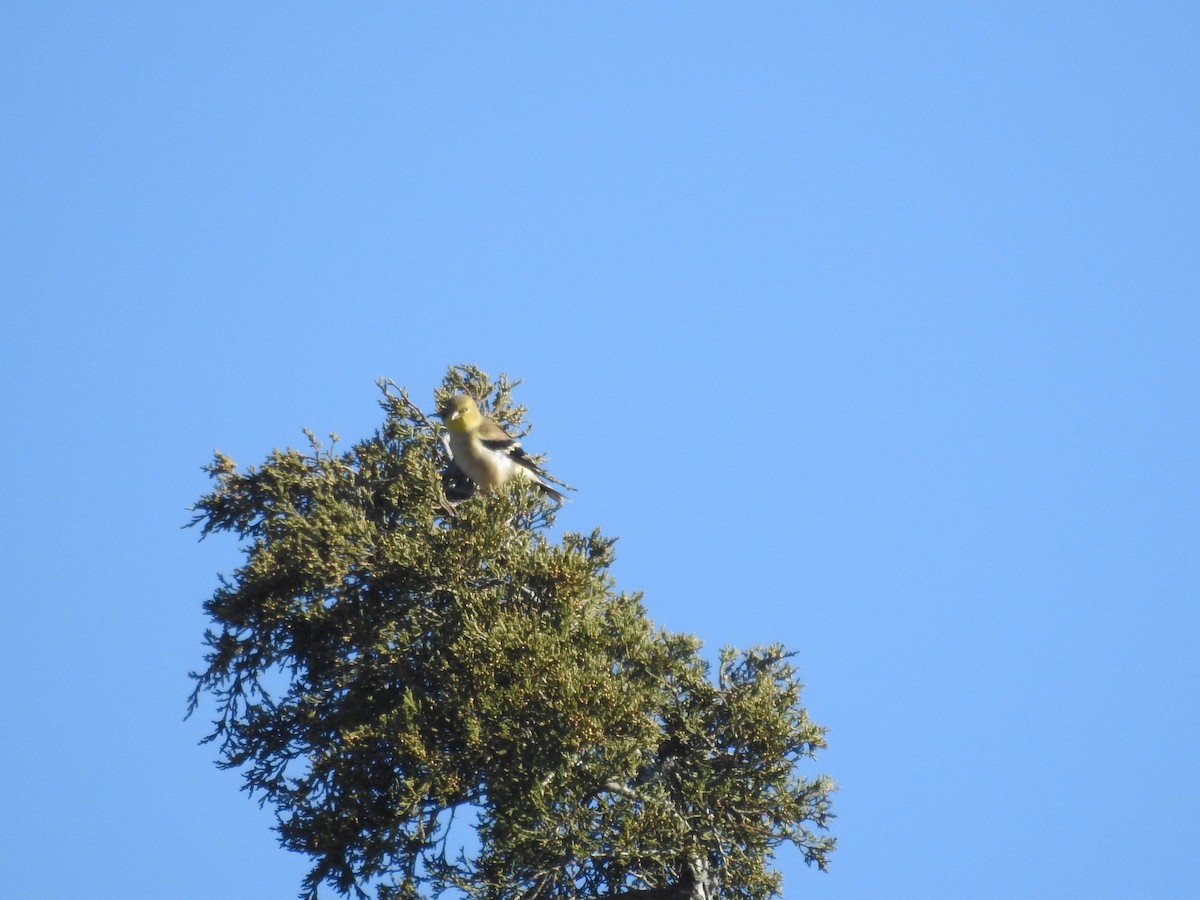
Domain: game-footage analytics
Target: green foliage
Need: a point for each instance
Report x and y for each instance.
(383, 660)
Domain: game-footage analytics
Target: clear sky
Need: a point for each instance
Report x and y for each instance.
(871, 328)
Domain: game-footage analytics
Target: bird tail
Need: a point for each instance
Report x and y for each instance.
(559, 496)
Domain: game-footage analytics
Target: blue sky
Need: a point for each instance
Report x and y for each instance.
(869, 328)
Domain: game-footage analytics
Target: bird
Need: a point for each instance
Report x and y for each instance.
(485, 452)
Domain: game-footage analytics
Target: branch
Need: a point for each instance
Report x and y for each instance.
(697, 883)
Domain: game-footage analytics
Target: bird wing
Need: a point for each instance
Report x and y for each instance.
(494, 436)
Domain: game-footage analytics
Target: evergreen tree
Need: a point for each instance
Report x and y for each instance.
(396, 667)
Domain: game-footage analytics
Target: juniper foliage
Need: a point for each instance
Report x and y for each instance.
(390, 670)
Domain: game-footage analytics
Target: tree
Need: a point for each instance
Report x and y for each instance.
(437, 698)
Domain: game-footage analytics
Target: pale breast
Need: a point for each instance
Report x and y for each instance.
(486, 468)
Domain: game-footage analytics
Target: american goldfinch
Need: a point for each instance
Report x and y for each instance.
(485, 452)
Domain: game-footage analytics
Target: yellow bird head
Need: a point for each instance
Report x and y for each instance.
(460, 413)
